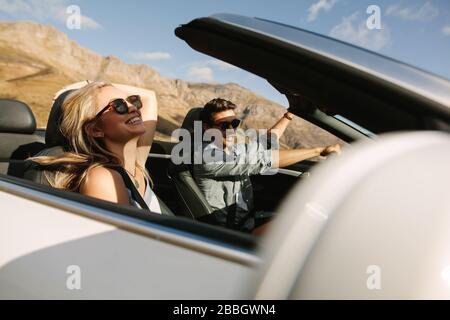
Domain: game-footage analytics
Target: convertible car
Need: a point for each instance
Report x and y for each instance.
(372, 223)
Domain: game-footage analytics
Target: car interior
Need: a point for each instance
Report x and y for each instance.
(330, 87)
(174, 185)
(182, 202)
(19, 140)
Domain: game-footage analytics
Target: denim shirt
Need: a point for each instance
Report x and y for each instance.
(225, 181)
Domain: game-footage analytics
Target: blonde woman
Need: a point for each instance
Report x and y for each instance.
(110, 129)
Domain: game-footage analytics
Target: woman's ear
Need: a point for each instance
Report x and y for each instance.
(93, 130)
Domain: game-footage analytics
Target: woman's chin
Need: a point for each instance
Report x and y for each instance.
(136, 130)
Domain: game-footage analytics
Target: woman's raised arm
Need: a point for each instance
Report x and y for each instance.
(149, 114)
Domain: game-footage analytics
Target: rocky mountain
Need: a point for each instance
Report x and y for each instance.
(38, 60)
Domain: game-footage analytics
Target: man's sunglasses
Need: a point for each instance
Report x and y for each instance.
(224, 125)
(121, 105)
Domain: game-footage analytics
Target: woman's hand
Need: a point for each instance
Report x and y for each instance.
(72, 86)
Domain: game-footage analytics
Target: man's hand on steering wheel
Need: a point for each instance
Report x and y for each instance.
(335, 148)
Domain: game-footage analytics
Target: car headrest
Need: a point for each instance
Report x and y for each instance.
(16, 117)
(53, 135)
(191, 116)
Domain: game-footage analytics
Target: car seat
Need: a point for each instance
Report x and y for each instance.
(193, 202)
(18, 137)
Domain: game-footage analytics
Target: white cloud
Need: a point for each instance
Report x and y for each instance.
(220, 64)
(90, 23)
(446, 30)
(44, 10)
(320, 5)
(149, 55)
(426, 12)
(355, 31)
(204, 70)
(201, 74)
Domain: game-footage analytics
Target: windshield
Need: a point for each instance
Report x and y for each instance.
(355, 126)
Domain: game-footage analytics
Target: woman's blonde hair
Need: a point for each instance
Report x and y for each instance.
(86, 152)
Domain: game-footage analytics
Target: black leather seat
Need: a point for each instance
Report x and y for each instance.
(18, 137)
(193, 202)
(56, 144)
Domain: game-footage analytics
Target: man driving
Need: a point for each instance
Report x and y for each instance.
(225, 182)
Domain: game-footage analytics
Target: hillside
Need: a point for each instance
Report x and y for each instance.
(38, 60)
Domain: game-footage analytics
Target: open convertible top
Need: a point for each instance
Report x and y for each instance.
(374, 91)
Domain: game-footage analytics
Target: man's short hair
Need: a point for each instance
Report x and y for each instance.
(213, 106)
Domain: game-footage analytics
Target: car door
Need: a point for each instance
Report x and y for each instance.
(59, 245)
(270, 190)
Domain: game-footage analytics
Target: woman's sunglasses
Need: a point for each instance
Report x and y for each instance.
(224, 125)
(121, 105)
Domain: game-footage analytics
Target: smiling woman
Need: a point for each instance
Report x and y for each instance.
(110, 130)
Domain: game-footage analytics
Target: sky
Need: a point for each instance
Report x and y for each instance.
(142, 31)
